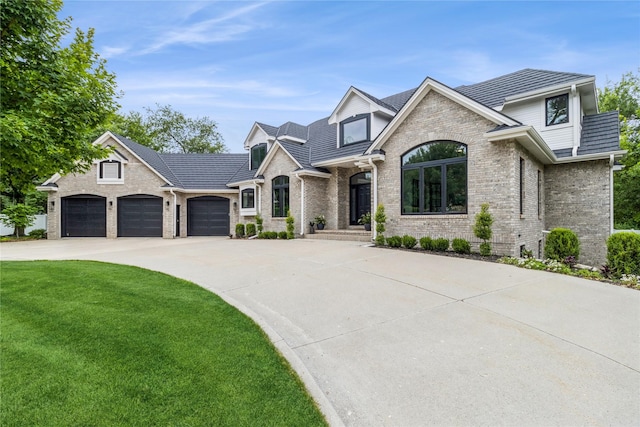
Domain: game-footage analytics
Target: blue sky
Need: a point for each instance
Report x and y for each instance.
(241, 62)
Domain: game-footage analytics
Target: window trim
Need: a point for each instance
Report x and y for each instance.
(283, 195)
(251, 191)
(357, 117)
(546, 111)
(442, 163)
(251, 159)
(118, 180)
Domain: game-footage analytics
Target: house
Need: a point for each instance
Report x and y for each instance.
(532, 144)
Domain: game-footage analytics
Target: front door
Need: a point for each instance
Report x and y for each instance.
(360, 196)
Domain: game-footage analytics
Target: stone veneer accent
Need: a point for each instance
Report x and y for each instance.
(578, 198)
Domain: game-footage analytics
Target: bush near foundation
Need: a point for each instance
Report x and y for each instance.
(426, 243)
(239, 230)
(251, 229)
(283, 235)
(440, 245)
(562, 243)
(623, 253)
(461, 246)
(409, 241)
(394, 241)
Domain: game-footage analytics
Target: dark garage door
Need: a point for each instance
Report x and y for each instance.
(84, 216)
(140, 216)
(208, 216)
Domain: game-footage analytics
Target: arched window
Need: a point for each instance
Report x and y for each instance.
(280, 196)
(434, 179)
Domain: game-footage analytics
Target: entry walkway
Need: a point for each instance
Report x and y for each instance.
(394, 338)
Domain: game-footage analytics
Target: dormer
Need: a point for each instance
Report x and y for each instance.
(260, 139)
(360, 117)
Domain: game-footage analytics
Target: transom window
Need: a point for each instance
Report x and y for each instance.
(354, 129)
(434, 179)
(557, 110)
(280, 196)
(258, 153)
(248, 198)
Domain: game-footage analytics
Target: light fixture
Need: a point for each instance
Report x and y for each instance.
(110, 203)
(168, 203)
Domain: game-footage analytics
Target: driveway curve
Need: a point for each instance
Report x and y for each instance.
(394, 338)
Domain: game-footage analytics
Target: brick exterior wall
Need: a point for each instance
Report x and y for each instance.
(578, 197)
(138, 179)
(280, 164)
(492, 176)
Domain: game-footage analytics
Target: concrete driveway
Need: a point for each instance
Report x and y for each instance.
(385, 337)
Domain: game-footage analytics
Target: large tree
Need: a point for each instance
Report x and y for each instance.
(169, 131)
(624, 97)
(52, 98)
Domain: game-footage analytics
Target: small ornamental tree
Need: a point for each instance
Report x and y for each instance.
(290, 225)
(482, 229)
(19, 216)
(381, 219)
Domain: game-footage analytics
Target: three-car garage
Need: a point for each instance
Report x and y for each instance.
(141, 215)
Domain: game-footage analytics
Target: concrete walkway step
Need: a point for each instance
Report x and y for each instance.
(358, 235)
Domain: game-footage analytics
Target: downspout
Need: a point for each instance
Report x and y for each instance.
(611, 164)
(173, 214)
(575, 118)
(301, 204)
(374, 168)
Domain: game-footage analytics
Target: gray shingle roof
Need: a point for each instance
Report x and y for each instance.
(243, 173)
(378, 101)
(204, 171)
(293, 129)
(270, 130)
(494, 91)
(600, 134)
(152, 158)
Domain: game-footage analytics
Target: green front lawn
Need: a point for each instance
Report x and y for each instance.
(95, 344)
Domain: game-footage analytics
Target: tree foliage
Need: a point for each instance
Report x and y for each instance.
(169, 131)
(624, 97)
(19, 216)
(52, 97)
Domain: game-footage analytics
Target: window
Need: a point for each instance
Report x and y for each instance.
(521, 186)
(355, 129)
(258, 153)
(434, 179)
(110, 170)
(557, 110)
(248, 198)
(280, 199)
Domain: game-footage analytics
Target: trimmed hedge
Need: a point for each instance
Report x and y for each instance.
(561, 243)
(283, 235)
(623, 253)
(394, 241)
(440, 245)
(239, 230)
(461, 246)
(408, 241)
(251, 229)
(426, 243)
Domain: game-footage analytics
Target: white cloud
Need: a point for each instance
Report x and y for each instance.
(112, 51)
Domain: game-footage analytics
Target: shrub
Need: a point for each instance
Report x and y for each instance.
(440, 245)
(381, 219)
(409, 241)
(19, 216)
(239, 230)
(290, 225)
(38, 233)
(485, 249)
(273, 235)
(570, 261)
(426, 243)
(259, 223)
(623, 253)
(482, 229)
(283, 235)
(251, 229)
(561, 243)
(394, 241)
(461, 246)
